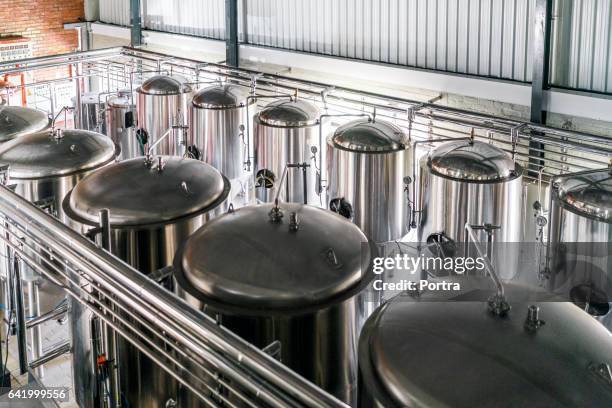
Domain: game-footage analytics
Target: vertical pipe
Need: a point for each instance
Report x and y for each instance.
(35, 335)
(20, 316)
(108, 336)
(77, 104)
(231, 33)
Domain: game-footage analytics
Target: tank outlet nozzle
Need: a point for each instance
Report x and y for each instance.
(533, 322)
(160, 164)
(275, 214)
(294, 222)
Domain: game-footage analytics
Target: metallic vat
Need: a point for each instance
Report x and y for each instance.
(218, 121)
(438, 351)
(45, 166)
(294, 282)
(162, 104)
(286, 131)
(368, 167)
(477, 183)
(580, 232)
(153, 207)
(120, 112)
(16, 121)
(92, 112)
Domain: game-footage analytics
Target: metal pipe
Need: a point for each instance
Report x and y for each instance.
(60, 350)
(35, 335)
(55, 314)
(20, 315)
(471, 235)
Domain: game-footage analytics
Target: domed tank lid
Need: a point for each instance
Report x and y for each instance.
(16, 121)
(290, 113)
(252, 260)
(587, 193)
(466, 160)
(121, 100)
(221, 97)
(467, 357)
(164, 85)
(368, 136)
(136, 193)
(56, 153)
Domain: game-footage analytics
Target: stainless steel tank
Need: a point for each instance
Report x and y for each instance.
(287, 132)
(368, 169)
(153, 207)
(293, 275)
(580, 254)
(44, 166)
(161, 104)
(120, 121)
(439, 351)
(217, 120)
(92, 112)
(477, 183)
(16, 121)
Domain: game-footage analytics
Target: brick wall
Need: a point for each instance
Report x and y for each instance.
(42, 21)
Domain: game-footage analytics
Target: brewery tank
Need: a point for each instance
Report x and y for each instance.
(161, 104)
(218, 120)
(368, 172)
(287, 132)
(120, 127)
(467, 181)
(294, 276)
(434, 350)
(91, 112)
(44, 166)
(154, 204)
(580, 232)
(17, 121)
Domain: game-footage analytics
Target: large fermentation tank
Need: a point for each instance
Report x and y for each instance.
(161, 104)
(287, 132)
(468, 181)
(16, 121)
(44, 166)
(580, 254)
(445, 349)
(91, 112)
(120, 112)
(293, 275)
(218, 120)
(369, 166)
(153, 207)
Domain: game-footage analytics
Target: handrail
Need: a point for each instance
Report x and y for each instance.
(240, 362)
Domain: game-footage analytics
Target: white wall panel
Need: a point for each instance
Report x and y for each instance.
(202, 18)
(491, 38)
(115, 12)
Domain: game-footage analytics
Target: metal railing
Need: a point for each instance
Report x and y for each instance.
(213, 363)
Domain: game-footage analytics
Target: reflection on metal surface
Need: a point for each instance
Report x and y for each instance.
(293, 274)
(468, 188)
(440, 334)
(368, 168)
